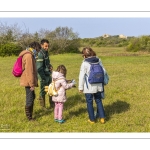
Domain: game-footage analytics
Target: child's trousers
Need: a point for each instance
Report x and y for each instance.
(58, 110)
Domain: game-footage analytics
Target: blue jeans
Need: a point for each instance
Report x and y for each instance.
(100, 109)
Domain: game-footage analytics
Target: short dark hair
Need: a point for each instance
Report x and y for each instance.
(35, 45)
(44, 41)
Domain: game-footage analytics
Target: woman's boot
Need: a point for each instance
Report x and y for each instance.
(29, 111)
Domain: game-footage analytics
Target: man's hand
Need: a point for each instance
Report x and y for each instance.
(51, 68)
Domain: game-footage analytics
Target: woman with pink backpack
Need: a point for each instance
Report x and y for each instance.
(28, 77)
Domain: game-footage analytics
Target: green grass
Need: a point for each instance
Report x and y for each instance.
(126, 103)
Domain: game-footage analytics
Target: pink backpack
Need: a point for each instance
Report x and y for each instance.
(17, 68)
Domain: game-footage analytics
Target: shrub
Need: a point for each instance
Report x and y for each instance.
(139, 44)
(134, 45)
(9, 49)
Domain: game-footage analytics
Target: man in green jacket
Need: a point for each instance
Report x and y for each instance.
(44, 69)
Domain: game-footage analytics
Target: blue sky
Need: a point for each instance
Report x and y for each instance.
(86, 27)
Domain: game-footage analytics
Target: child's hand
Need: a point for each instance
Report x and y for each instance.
(73, 81)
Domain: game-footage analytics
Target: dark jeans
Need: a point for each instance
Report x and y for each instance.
(90, 108)
(30, 96)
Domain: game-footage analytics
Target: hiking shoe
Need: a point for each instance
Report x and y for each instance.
(56, 120)
(61, 121)
(92, 122)
(102, 120)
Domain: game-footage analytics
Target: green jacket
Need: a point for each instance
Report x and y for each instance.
(43, 64)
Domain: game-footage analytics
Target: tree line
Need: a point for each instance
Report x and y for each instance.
(13, 39)
(63, 40)
(133, 44)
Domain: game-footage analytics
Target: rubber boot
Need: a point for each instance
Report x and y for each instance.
(28, 112)
(42, 103)
(32, 112)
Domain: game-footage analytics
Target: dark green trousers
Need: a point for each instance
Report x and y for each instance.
(42, 89)
(43, 84)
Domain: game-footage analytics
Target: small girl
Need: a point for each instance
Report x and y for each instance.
(59, 76)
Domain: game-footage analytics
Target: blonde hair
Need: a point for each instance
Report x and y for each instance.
(62, 69)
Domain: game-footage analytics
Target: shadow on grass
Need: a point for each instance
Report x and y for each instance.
(75, 105)
(72, 101)
(76, 113)
(40, 112)
(116, 108)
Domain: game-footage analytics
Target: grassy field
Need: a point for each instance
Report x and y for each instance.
(126, 103)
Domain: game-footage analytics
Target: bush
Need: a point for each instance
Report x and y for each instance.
(134, 45)
(72, 49)
(139, 44)
(9, 49)
(72, 46)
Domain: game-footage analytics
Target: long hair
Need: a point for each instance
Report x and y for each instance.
(88, 52)
(35, 45)
(62, 69)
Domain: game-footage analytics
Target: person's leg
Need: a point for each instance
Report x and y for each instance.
(32, 105)
(60, 112)
(56, 111)
(90, 109)
(100, 107)
(51, 103)
(42, 94)
(30, 96)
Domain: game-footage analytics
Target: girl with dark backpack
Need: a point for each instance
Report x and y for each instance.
(88, 86)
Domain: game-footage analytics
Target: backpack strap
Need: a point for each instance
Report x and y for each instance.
(23, 55)
(57, 80)
(85, 78)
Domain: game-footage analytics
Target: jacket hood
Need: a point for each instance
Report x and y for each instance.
(23, 52)
(93, 59)
(56, 75)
